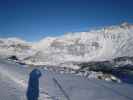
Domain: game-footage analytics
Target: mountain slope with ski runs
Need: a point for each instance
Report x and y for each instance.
(96, 45)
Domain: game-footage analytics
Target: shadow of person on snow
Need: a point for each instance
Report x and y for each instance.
(33, 85)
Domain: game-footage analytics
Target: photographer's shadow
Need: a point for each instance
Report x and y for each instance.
(33, 85)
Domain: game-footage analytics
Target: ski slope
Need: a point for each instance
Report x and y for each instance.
(54, 86)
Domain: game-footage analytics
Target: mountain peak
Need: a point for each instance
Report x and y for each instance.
(126, 25)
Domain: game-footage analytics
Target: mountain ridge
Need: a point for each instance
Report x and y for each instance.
(96, 45)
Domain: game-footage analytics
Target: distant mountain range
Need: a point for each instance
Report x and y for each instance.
(96, 45)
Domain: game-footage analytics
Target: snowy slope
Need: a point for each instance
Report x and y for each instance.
(15, 46)
(106, 43)
(96, 45)
(14, 79)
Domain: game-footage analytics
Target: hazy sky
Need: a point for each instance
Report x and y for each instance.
(35, 19)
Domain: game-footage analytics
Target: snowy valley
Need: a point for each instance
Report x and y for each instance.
(93, 54)
(73, 66)
(96, 45)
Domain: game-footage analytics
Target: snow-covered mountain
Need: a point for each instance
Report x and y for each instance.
(96, 45)
(104, 54)
(16, 47)
(102, 44)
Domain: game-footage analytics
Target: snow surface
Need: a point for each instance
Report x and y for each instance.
(54, 86)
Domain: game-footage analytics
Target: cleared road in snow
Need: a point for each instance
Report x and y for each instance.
(54, 86)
